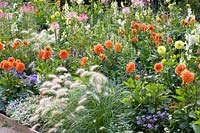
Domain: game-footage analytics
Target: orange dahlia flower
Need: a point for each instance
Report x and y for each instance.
(118, 47)
(25, 43)
(108, 44)
(134, 31)
(47, 54)
(181, 67)
(41, 54)
(130, 67)
(20, 67)
(15, 44)
(98, 49)
(158, 67)
(135, 39)
(83, 61)
(63, 54)
(169, 40)
(11, 59)
(6, 65)
(187, 76)
(1, 46)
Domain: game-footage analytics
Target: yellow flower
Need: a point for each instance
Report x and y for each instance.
(161, 50)
(164, 60)
(179, 44)
(52, 17)
(168, 1)
(57, 14)
(170, 6)
(173, 57)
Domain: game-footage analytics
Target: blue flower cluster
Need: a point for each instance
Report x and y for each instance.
(29, 80)
(152, 121)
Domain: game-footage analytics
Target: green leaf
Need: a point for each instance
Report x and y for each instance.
(196, 128)
(192, 115)
(197, 122)
(182, 99)
(179, 92)
(198, 102)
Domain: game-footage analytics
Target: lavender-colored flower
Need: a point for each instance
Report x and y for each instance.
(149, 126)
(82, 17)
(54, 26)
(32, 79)
(71, 15)
(126, 10)
(3, 4)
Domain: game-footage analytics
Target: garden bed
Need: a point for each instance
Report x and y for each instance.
(14, 125)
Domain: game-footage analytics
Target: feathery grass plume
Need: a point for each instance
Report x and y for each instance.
(45, 111)
(45, 100)
(56, 87)
(36, 127)
(39, 109)
(48, 92)
(67, 76)
(47, 84)
(61, 93)
(57, 80)
(85, 73)
(82, 101)
(80, 108)
(92, 68)
(52, 130)
(68, 83)
(98, 78)
(58, 125)
(61, 69)
(52, 76)
(80, 71)
(55, 112)
(75, 85)
(43, 89)
(34, 118)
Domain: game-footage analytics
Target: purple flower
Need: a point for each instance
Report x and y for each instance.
(32, 79)
(126, 10)
(82, 17)
(149, 126)
(3, 4)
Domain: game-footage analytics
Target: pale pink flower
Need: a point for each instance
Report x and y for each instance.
(27, 8)
(54, 26)
(139, 2)
(104, 1)
(82, 17)
(72, 15)
(126, 10)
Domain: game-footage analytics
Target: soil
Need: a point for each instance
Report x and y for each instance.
(6, 129)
